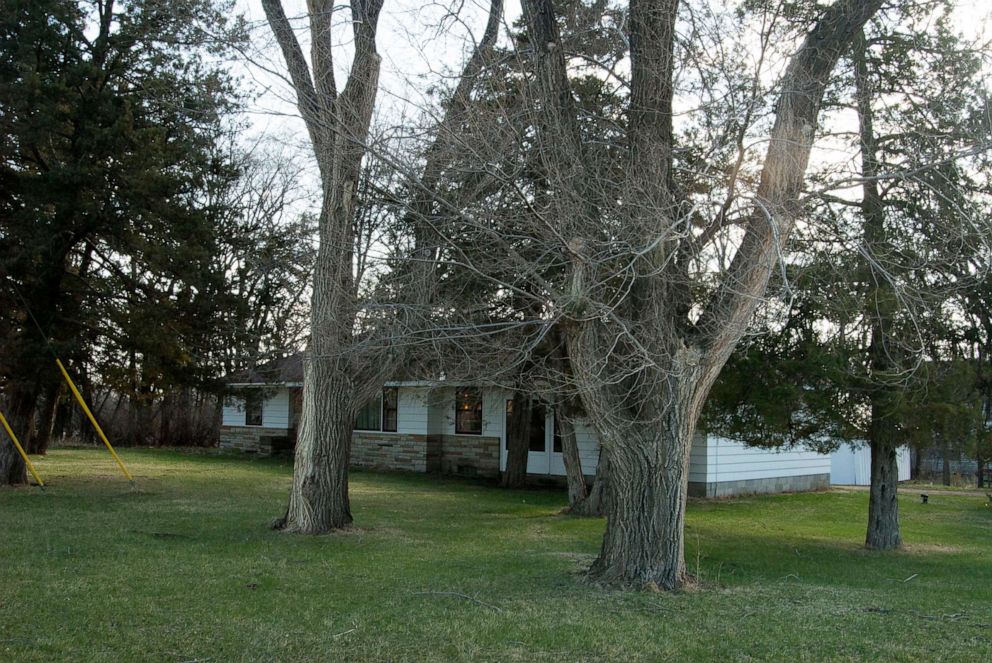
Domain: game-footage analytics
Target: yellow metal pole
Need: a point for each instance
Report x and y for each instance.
(96, 426)
(20, 450)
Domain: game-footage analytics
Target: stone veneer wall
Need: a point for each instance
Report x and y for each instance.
(466, 455)
(758, 486)
(391, 451)
(470, 455)
(255, 439)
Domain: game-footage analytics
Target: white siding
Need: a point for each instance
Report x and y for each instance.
(436, 401)
(411, 415)
(698, 471)
(850, 465)
(588, 444)
(493, 412)
(730, 460)
(275, 409)
(233, 413)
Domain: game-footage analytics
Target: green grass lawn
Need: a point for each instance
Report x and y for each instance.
(182, 567)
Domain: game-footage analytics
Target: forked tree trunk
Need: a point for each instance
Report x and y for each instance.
(338, 126)
(883, 506)
(648, 441)
(318, 502)
(594, 503)
(517, 441)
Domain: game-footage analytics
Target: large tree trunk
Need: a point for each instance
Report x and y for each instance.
(20, 415)
(648, 488)
(12, 469)
(517, 441)
(883, 506)
(319, 500)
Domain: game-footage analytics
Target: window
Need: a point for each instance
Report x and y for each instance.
(253, 408)
(370, 416)
(380, 413)
(468, 411)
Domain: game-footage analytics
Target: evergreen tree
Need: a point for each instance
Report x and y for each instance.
(109, 115)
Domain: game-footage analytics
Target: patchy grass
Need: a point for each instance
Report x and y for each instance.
(182, 567)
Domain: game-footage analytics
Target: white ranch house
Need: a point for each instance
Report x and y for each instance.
(461, 429)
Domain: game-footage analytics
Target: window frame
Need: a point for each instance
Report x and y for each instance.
(458, 411)
(382, 413)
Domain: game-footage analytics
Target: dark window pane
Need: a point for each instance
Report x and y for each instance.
(537, 440)
(390, 408)
(370, 416)
(253, 408)
(468, 411)
(557, 438)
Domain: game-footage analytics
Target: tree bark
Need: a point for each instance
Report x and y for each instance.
(319, 500)
(594, 503)
(13, 472)
(20, 416)
(883, 506)
(643, 546)
(517, 441)
(42, 438)
(576, 480)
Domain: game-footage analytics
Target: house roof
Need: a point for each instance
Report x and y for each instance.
(278, 371)
(288, 371)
